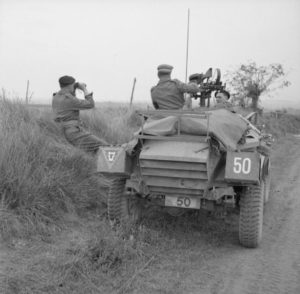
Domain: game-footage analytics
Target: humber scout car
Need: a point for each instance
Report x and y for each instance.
(184, 160)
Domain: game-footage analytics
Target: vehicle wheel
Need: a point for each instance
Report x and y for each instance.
(121, 206)
(251, 215)
(267, 185)
(115, 199)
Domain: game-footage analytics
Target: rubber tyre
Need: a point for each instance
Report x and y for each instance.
(120, 206)
(267, 186)
(115, 198)
(251, 216)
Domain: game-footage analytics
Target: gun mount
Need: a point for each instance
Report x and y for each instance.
(207, 84)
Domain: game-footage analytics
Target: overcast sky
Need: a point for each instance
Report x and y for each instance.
(108, 43)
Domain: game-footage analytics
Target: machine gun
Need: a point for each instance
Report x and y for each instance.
(207, 84)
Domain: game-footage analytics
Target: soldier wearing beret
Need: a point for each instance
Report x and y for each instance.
(222, 98)
(66, 107)
(169, 93)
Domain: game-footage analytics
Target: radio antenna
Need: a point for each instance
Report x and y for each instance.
(187, 46)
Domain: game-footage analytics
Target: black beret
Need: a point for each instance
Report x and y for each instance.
(224, 92)
(66, 80)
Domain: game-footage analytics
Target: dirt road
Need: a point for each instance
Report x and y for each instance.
(214, 262)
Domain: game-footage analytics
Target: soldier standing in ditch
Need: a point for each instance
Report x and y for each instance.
(169, 93)
(66, 107)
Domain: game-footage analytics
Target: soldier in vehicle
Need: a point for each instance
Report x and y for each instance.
(222, 98)
(169, 93)
(66, 107)
(193, 79)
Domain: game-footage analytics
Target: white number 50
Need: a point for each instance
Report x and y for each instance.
(242, 165)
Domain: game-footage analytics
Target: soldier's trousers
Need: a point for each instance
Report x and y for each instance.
(82, 139)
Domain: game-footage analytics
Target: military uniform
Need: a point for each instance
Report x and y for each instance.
(223, 104)
(66, 109)
(169, 93)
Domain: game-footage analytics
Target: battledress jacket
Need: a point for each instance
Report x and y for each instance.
(224, 104)
(66, 109)
(168, 93)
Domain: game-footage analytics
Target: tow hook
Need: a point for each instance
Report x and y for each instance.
(229, 201)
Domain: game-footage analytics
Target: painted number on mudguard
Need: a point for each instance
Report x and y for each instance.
(183, 201)
(242, 166)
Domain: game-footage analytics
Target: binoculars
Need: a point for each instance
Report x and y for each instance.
(78, 85)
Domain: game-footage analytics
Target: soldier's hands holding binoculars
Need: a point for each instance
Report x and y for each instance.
(80, 86)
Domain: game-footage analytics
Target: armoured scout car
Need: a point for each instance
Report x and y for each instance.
(191, 160)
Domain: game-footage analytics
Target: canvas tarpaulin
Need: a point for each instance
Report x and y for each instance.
(225, 126)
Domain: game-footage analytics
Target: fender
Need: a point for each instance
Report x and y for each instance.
(114, 160)
(266, 166)
(243, 167)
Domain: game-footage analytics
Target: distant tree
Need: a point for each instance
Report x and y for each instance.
(250, 81)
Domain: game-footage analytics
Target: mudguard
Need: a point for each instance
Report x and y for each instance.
(114, 160)
(243, 167)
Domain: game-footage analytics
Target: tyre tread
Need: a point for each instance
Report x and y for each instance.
(251, 214)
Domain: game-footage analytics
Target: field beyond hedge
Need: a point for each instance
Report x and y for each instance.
(53, 207)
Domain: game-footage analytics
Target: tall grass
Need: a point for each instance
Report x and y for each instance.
(42, 177)
(115, 124)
